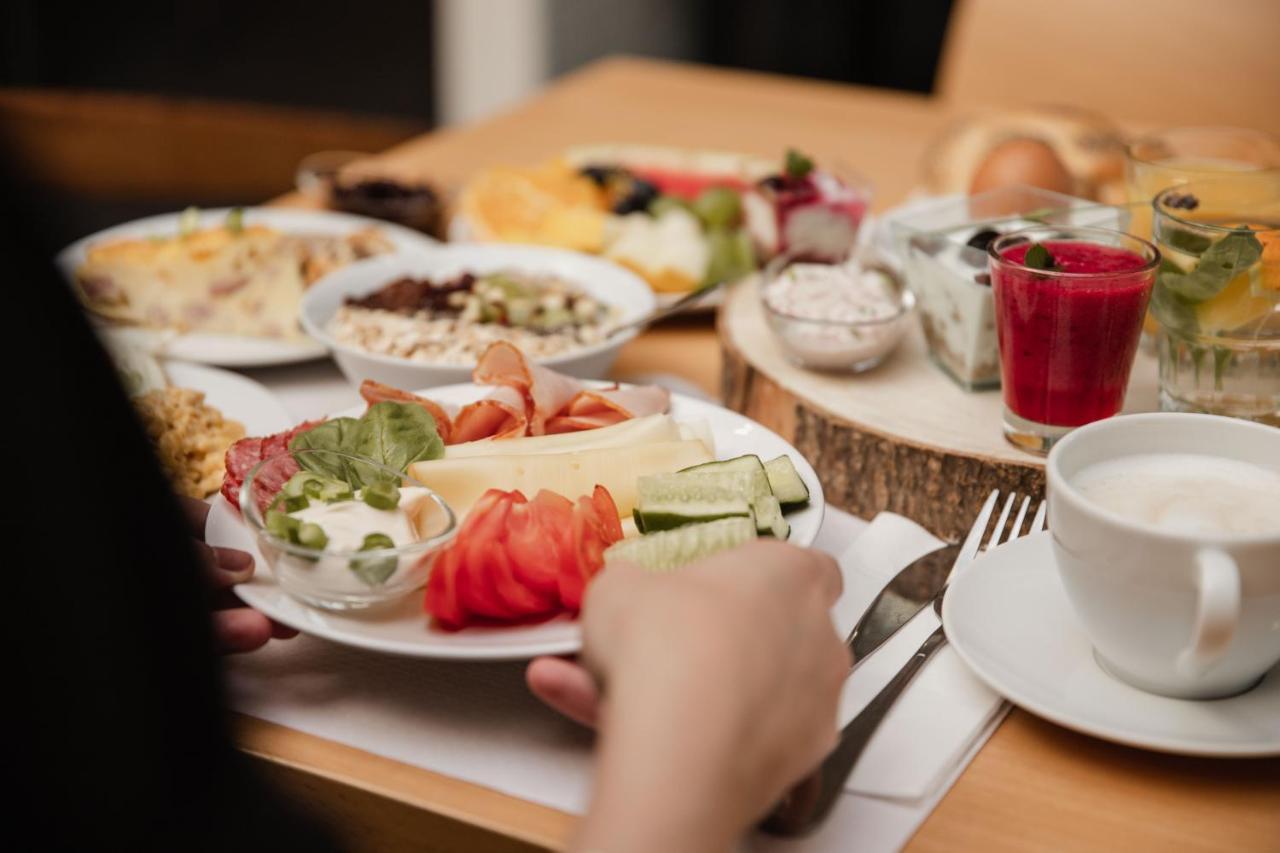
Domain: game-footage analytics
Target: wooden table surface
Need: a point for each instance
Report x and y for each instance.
(1035, 785)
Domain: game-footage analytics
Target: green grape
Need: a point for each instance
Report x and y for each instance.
(664, 204)
(718, 207)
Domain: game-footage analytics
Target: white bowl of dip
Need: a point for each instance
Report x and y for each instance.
(612, 285)
(845, 317)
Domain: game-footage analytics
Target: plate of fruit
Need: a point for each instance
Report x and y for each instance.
(682, 219)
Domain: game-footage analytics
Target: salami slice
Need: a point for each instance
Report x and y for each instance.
(248, 452)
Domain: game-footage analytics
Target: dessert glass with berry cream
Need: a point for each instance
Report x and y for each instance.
(1069, 307)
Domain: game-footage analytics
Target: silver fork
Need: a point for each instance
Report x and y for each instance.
(809, 802)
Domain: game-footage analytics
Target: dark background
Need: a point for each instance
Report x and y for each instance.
(375, 56)
(344, 75)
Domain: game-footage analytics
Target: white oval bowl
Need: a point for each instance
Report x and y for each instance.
(603, 280)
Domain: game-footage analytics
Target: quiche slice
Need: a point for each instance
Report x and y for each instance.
(225, 280)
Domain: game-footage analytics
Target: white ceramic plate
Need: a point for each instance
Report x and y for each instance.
(238, 350)
(1009, 618)
(402, 628)
(237, 397)
(607, 282)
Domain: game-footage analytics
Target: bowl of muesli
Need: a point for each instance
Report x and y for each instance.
(415, 320)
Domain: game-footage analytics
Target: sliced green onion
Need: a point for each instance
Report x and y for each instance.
(376, 541)
(293, 503)
(282, 525)
(374, 571)
(335, 490)
(311, 535)
(381, 495)
(189, 221)
(235, 220)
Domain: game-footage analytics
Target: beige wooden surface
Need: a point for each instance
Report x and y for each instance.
(1035, 786)
(1164, 62)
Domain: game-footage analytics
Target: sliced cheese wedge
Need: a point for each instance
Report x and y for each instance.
(647, 430)
(461, 482)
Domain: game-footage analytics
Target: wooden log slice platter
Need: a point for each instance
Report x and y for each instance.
(901, 437)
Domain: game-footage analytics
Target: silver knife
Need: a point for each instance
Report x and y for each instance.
(909, 591)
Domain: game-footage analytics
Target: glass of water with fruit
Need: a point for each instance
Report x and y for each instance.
(1217, 297)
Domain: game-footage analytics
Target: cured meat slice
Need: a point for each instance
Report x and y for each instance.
(248, 452)
(503, 414)
(592, 409)
(545, 391)
(377, 392)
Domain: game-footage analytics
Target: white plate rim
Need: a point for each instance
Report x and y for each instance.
(259, 410)
(230, 350)
(999, 560)
(520, 255)
(569, 642)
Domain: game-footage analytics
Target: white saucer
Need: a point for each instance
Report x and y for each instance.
(1009, 619)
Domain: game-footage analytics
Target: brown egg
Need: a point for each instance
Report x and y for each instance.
(1022, 161)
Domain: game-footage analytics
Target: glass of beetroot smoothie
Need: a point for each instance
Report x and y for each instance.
(1069, 304)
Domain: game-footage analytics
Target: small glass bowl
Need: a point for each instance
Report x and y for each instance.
(837, 345)
(324, 577)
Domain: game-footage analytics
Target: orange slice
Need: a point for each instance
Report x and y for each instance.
(550, 204)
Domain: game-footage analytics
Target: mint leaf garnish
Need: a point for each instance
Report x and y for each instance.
(1038, 258)
(1220, 263)
(797, 164)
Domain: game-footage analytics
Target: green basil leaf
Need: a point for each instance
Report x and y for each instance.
(1171, 309)
(395, 435)
(332, 435)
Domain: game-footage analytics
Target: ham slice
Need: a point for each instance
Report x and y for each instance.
(376, 392)
(545, 391)
(592, 409)
(503, 414)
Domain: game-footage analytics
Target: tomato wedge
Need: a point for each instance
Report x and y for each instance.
(519, 560)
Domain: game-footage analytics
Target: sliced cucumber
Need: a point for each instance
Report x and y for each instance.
(749, 464)
(769, 520)
(635, 516)
(665, 501)
(671, 549)
(786, 484)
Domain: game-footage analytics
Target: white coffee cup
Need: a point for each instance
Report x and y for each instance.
(1184, 614)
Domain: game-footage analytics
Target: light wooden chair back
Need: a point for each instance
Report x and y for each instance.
(1158, 62)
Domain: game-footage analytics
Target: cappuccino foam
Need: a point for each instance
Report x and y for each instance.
(1186, 492)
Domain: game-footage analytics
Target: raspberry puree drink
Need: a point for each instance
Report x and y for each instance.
(1069, 305)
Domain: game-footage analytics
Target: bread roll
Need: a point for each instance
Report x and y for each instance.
(1088, 145)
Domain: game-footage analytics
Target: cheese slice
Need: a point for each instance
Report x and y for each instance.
(646, 430)
(461, 481)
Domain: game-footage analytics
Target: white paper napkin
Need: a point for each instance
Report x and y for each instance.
(935, 721)
(478, 723)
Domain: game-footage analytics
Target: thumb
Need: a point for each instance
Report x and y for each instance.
(565, 687)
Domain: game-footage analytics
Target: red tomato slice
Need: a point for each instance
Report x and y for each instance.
(442, 591)
(515, 559)
(480, 592)
(533, 547)
(518, 598)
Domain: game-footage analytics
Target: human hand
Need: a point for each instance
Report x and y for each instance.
(236, 628)
(724, 676)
